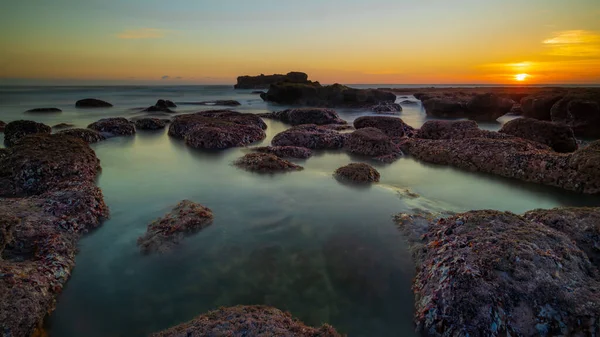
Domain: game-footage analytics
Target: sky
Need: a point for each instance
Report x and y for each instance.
(345, 41)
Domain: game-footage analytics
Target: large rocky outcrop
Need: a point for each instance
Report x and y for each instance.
(16, 130)
(310, 136)
(491, 273)
(264, 81)
(559, 137)
(298, 116)
(255, 321)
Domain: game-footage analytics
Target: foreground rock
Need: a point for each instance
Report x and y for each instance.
(39, 233)
(391, 126)
(228, 102)
(310, 136)
(318, 116)
(357, 173)
(262, 81)
(16, 130)
(255, 321)
(113, 127)
(87, 135)
(559, 137)
(374, 143)
(489, 273)
(265, 163)
(44, 110)
(92, 103)
(286, 151)
(165, 233)
(150, 124)
(218, 129)
(337, 95)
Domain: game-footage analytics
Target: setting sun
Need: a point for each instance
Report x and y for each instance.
(521, 77)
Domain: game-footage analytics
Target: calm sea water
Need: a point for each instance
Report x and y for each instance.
(302, 242)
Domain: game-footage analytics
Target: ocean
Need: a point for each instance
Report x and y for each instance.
(302, 242)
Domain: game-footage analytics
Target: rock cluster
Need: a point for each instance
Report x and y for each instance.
(265, 163)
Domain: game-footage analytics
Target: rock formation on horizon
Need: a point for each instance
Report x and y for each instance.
(264, 81)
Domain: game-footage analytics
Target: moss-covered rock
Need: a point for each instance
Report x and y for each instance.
(317, 116)
(559, 137)
(87, 135)
(391, 126)
(265, 163)
(357, 173)
(16, 130)
(372, 142)
(285, 151)
(113, 127)
(310, 136)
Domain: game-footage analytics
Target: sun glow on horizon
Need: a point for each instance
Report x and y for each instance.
(521, 77)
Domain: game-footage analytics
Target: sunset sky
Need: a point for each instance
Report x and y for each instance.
(346, 41)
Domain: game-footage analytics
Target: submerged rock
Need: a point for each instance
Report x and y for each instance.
(265, 163)
(374, 143)
(391, 126)
(286, 151)
(165, 233)
(87, 135)
(490, 273)
(317, 116)
(264, 81)
(44, 110)
(150, 124)
(227, 102)
(16, 130)
(255, 321)
(358, 173)
(310, 136)
(92, 103)
(387, 108)
(560, 137)
(113, 127)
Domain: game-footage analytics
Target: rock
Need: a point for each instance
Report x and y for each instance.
(7, 229)
(580, 111)
(262, 81)
(560, 137)
(358, 173)
(113, 127)
(165, 233)
(318, 116)
(228, 102)
(265, 163)
(456, 130)
(444, 108)
(516, 110)
(44, 110)
(258, 92)
(391, 126)
(488, 107)
(286, 151)
(92, 103)
(539, 106)
(587, 161)
(255, 321)
(87, 135)
(16, 130)
(63, 126)
(371, 142)
(310, 136)
(337, 95)
(387, 108)
(490, 273)
(409, 102)
(2, 126)
(162, 103)
(156, 108)
(150, 124)
(480, 107)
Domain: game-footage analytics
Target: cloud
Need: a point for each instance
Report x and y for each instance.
(576, 43)
(143, 33)
(166, 77)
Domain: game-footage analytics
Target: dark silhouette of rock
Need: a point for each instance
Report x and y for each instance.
(255, 321)
(165, 233)
(265, 163)
(391, 126)
(63, 126)
(456, 130)
(262, 81)
(155, 108)
(488, 107)
(150, 124)
(162, 103)
(387, 108)
(87, 135)
(560, 137)
(444, 108)
(113, 127)
(580, 111)
(357, 173)
(16, 130)
(539, 106)
(92, 103)
(285, 151)
(486, 273)
(409, 102)
(227, 102)
(310, 136)
(258, 92)
(374, 143)
(298, 116)
(44, 110)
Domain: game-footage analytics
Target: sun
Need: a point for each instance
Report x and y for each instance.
(521, 77)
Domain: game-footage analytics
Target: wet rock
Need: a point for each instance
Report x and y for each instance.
(560, 137)
(87, 135)
(165, 233)
(41, 162)
(580, 111)
(387, 108)
(113, 127)
(259, 321)
(2, 126)
(488, 107)
(150, 124)
(391, 126)
(310, 136)
(357, 173)
(372, 142)
(444, 108)
(7, 229)
(44, 110)
(264, 81)
(63, 126)
(92, 103)
(409, 102)
(258, 92)
(16, 130)
(156, 108)
(165, 103)
(539, 106)
(587, 161)
(228, 102)
(490, 273)
(456, 130)
(265, 163)
(318, 116)
(286, 151)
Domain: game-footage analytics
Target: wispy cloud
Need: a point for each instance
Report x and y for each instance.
(143, 33)
(577, 43)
